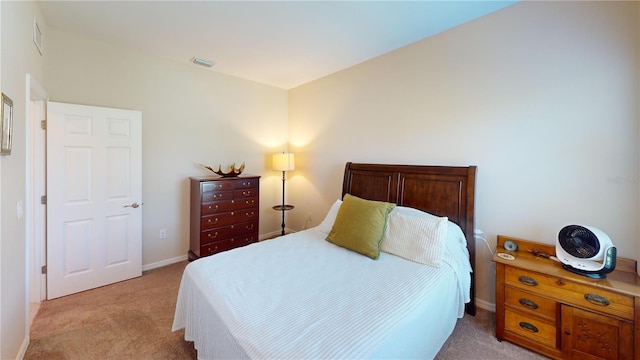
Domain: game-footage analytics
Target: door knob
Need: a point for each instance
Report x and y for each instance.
(134, 205)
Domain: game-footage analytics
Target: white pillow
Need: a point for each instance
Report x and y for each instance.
(327, 224)
(416, 236)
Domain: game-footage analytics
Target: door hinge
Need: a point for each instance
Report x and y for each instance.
(43, 124)
(43, 199)
(43, 270)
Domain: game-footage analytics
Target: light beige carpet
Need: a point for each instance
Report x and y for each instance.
(127, 320)
(132, 320)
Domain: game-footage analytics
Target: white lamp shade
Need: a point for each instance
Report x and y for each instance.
(284, 162)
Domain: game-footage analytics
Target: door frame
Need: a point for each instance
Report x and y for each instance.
(35, 217)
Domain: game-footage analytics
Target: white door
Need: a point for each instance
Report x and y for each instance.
(94, 193)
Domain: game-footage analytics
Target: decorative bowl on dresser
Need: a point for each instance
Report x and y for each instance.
(562, 315)
(224, 213)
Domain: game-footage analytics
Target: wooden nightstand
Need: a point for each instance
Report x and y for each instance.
(543, 307)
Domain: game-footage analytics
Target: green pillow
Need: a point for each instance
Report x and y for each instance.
(360, 225)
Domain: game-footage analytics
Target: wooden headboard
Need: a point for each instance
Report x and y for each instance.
(439, 190)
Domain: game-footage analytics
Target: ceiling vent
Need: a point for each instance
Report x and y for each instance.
(202, 62)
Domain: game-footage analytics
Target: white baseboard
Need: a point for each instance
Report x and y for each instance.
(275, 234)
(485, 305)
(270, 235)
(178, 259)
(23, 349)
(162, 263)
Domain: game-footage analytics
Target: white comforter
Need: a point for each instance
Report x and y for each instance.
(301, 297)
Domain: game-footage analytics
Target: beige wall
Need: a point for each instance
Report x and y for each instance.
(190, 115)
(541, 96)
(19, 57)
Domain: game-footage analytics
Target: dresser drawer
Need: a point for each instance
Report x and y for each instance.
(246, 227)
(245, 193)
(227, 206)
(224, 232)
(526, 301)
(228, 218)
(246, 203)
(217, 186)
(228, 244)
(581, 295)
(246, 183)
(531, 327)
(210, 196)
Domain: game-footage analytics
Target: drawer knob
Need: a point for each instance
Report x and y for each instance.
(528, 281)
(213, 207)
(528, 303)
(249, 214)
(215, 221)
(213, 236)
(597, 299)
(529, 327)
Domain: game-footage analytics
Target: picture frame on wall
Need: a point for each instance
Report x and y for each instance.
(6, 130)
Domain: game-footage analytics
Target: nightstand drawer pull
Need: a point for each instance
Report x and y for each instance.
(527, 326)
(528, 281)
(597, 299)
(528, 303)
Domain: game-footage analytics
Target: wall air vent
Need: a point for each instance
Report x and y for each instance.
(202, 62)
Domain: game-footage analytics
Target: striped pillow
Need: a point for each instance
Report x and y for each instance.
(419, 239)
(326, 224)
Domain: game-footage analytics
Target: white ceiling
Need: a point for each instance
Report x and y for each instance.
(279, 43)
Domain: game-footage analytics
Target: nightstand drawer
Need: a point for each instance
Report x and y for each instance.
(586, 296)
(525, 301)
(531, 327)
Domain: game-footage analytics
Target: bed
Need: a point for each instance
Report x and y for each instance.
(300, 296)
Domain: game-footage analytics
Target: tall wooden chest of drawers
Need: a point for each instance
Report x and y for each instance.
(550, 310)
(224, 213)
